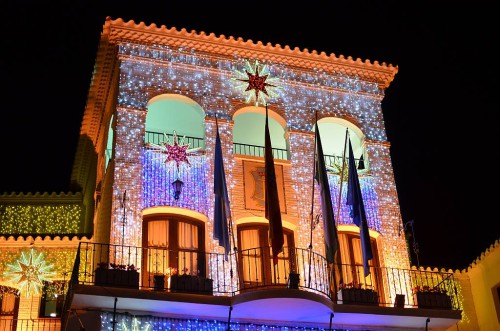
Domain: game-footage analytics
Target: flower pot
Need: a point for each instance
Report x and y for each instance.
(159, 282)
(293, 280)
(116, 278)
(433, 300)
(191, 284)
(357, 296)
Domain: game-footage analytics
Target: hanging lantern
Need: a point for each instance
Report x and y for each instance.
(177, 185)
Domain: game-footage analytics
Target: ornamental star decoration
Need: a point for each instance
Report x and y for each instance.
(176, 154)
(29, 272)
(135, 326)
(343, 174)
(258, 85)
(336, 168)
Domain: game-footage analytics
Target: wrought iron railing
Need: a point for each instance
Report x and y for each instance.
(238, 148)
(254, 150)
(157, 138)
(242, 271)
(246, 270)
(41, 324)
(336, 161)
(393, 287)
(194, 142)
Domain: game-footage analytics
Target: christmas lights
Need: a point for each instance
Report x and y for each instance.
(300, 92)
(257, 84)
(63, 218)
(125, 322)
(29, 272)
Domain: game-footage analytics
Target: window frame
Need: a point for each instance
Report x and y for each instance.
(375, 272)
(266, 270)
(59, 300)
(172, 248)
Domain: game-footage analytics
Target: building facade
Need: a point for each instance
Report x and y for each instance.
(133, 248)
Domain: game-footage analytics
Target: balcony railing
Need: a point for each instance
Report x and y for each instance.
(332, 160)
(157, 138)
(247, 270)
(254, 150)
(42, 324)
(242, 271)
(238, 148)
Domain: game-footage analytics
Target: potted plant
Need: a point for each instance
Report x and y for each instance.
(293, 280)
(159, 278)
(116, 275)
(432, 297)
(191, 283)
(293, 276)
(353, 294)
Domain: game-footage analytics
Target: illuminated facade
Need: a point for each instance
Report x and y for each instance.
(136, 241)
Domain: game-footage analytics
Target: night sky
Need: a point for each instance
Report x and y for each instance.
(441, 110)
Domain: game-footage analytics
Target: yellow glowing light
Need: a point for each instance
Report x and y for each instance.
(49, 218)
(29, 272)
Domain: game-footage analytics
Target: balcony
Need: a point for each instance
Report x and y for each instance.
(254, 150)
(247, 286)
(159, 138)
(238, 148)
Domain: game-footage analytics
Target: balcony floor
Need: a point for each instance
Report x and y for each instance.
(280, 306)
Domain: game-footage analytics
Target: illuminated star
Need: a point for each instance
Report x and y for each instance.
(336, 168)
(29, 272)
(177, 153)
(256, 83)
(259, 85)
(343, 174)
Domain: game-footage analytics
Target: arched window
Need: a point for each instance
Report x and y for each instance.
(333, 138)
(255, 256)
(174, 242)
(170, 112)
(248, 133)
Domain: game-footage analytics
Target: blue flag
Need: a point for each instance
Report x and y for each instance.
(331, 236)
(222, 211)
(357, 209)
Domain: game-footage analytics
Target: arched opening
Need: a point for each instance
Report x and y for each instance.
(109, 143)
(248, 132)
(333, 140)
(174, 242)
(174, 152)
(171, 112)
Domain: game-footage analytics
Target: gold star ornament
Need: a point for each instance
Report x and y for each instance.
(29, 272)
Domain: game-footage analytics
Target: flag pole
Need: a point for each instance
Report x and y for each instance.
(342, 173)
(312, 193)
(272, 207)
(226, 200)
(231, 222)
(312, 202)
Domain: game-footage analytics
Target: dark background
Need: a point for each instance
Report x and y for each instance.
(441, 110)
